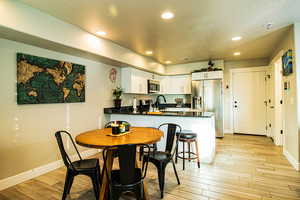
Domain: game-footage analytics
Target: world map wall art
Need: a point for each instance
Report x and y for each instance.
(42, 80)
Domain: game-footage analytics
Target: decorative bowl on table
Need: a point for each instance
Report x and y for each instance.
(119, 128)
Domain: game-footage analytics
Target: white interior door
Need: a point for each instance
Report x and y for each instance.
(278, 105)
(270, 102)
(249, 102)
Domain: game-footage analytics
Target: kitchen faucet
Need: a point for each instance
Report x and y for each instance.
(157, 102)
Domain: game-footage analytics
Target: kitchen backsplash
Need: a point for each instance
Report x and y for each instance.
(128, 98)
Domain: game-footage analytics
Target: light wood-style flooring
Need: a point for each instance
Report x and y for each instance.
(245, 168)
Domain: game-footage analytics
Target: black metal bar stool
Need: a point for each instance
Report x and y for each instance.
(189, 138)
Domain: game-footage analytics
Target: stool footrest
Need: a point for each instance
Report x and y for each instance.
(185, 158)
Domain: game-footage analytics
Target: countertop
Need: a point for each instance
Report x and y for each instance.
(128, 111)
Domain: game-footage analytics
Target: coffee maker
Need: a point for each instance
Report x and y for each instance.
(145, 105)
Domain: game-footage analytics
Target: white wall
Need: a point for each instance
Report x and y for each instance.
(25, 19)
(297, 67)
(291, 97)
(27, 131)
(188, 68)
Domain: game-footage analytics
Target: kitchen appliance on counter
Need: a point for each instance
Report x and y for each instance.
(153, 86)
(179, 102)
(145, 105)
(207, 96)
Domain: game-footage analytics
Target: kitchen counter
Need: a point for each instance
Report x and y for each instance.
(164, 113)
(201, 123)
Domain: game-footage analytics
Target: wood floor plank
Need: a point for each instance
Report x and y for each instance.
(245, 168)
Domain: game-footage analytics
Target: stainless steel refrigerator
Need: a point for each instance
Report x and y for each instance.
(207, 96)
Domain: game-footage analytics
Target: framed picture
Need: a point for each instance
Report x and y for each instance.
(287, 63)
(43, 80)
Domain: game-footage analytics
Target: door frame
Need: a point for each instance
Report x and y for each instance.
(235, 70)
(279, 139)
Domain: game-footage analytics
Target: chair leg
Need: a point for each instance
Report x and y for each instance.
(161, 179)
(189, 151)
(99, 176)
(176, 154)
(138, 193)
(68, 184)
(197, 152)
(183, 155)
(115, 194)
(174, 167)
(95, 182)
(141, 152)
(142, 190)
(155, 146)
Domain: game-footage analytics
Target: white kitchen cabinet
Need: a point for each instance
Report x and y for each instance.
(164, 84)
(180, 84)
(134, 81)
(207, 75)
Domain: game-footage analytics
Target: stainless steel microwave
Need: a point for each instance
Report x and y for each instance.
(153, 86)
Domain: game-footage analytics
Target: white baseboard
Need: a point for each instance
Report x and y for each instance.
(291, 159)
(30, 174)
(228, 131)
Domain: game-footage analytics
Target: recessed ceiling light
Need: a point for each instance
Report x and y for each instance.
(101, 33)
(168, 62)
(149, 52)
(237, 53)
(167, 15)
(237, 38)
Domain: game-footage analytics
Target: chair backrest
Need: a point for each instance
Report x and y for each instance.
(127, 164)
(172, 129)
(64, 155)
(108, 125)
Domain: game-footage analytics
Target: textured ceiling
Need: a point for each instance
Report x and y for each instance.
(201, 29)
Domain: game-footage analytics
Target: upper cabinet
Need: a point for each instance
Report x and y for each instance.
(180, 84)
(207, 75)
(134, 81)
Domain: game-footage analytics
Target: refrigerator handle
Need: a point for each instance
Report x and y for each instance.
(200, 102)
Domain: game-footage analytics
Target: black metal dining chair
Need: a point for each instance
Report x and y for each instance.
(153, 147)
(88, 167)
(128, 178)
(162, 158)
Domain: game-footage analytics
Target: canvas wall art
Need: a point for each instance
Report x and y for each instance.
(287, 63)
(42, 80)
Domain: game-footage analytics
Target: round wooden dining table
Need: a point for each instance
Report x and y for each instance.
(101, 138)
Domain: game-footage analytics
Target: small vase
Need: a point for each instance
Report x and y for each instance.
(118, 103)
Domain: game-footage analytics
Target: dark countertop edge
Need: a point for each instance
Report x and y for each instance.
(167, 114)
(130, 108)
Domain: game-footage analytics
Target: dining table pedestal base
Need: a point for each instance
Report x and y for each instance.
(104, 190)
